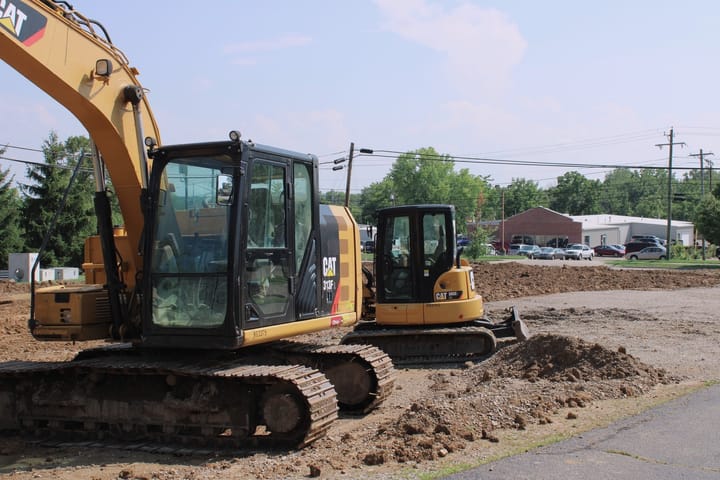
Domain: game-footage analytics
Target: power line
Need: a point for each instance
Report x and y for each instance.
(39, 164)
(22, 148)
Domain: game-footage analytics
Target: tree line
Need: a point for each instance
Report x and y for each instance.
(27, 211)
(426, 176)
(420, 176)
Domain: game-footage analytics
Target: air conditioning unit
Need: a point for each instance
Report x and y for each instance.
(66, 273)
(20, 267)
(47, 274)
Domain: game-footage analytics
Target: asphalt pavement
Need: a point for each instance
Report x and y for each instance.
(677, 440)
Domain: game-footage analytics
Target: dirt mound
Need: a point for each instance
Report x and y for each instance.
(523, 383)
(504, 280)
(559, 358)
(10, 286)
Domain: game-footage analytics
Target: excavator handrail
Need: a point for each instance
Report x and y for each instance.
(86, 24)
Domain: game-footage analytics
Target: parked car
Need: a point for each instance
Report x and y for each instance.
(463, 242)
(514, 247)
(522, 239)
(579, 251)
(648, 238)
(529, 251)
(648, 253)
(608, 251)
(489, 249)
(639, 245)
(369, 246)
(550, 253)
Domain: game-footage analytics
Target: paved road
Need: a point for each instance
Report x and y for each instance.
(678, 440)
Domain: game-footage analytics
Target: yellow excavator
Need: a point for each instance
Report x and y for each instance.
(420, 303)
(225, 253)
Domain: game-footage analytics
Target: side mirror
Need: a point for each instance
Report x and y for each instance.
(224, 190)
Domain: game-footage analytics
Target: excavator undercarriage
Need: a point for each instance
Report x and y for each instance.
(223, 401)
(428, 344)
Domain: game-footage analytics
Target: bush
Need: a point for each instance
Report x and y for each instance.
(478, 244)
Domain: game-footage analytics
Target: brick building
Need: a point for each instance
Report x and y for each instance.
(537, 226)
(542, 226)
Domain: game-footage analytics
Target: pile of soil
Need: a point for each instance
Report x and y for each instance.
(560, 358)
(505, 280)
(523, 383)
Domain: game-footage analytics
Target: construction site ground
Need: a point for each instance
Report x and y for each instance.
(606, 343)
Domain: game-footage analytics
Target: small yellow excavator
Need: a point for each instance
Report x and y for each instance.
(421, 305)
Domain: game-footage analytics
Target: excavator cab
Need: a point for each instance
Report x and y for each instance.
(415, 246)
(232, 248)
(417, 281)
(421, 305)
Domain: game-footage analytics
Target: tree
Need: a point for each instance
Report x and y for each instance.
(615, 194)
(479, 240)
(425, 176)
(635, 193)
(521, 195)
(575, 195)
(44, 197)
(374, 197)
(12, 240)
(422, 176)
(707, 219)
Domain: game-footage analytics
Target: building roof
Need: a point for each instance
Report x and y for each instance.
(540, 211)
(590, 221)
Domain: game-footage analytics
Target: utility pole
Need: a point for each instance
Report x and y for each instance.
(502, 226)
(710, 165)
(670, 144)
(349, 172)
(702, 184)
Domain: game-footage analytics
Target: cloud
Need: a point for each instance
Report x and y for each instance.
(480, 45)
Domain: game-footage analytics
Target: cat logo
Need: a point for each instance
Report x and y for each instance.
(329, 264)
(27, 25)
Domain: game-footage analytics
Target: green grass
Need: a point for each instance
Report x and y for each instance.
(674, 263)
(494, 258)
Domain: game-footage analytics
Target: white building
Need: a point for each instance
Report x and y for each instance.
(619, 229)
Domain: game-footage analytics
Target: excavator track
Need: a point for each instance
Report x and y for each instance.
(426, 345)
(183, 402)
(363, 375)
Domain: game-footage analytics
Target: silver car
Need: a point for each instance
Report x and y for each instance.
(579, 251)
(529, 251)
(550, 253)
(648, 253)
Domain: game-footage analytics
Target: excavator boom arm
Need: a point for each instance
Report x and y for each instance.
(63, 53)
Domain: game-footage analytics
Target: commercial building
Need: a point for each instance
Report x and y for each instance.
(542, 226)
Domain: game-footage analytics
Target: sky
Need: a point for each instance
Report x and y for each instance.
(587, 85)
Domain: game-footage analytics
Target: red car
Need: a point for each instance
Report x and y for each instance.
(608, 251)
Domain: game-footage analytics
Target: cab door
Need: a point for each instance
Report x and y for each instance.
(269, 262)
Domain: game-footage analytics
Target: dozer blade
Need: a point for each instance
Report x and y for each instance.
(519, 327)
(512, 326)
